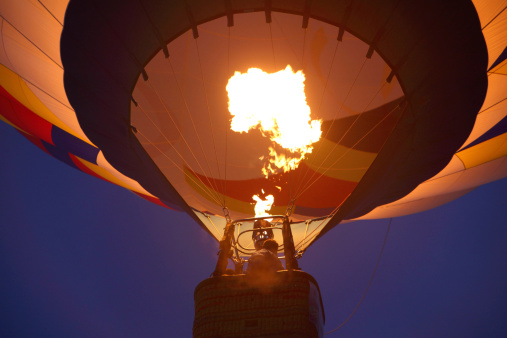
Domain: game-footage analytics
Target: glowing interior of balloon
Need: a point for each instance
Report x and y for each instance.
(276, 105)
(184, 126)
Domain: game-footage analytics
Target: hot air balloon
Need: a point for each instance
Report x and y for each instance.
(137, 93)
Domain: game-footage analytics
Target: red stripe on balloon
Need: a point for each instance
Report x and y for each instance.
(152, 200)
(24, 118)
(85, 169)
(324, 193)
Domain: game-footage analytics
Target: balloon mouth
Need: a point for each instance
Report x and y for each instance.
(208, 140)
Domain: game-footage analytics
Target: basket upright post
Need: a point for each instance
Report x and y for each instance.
(225, 250)
(288, 246)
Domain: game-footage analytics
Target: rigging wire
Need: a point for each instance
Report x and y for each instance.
(156, 93)
(272, 45)
(303, 53)
(292, 191)
(209, 116)
(286, 38)
(33, 84)
(306, 231)
(214, 226)
(336, 209)
(177, 128)
(349, 149)
(22, 77)
(369, 283)
(343, 103)
(483, 110)
(496, 16)
(207, 190)
(299, 179)
(300, 245)
(417, 43)
(332, 121)
(47, 9)
(195, 130)
(43, 91)
(307, 185)
(227, 114)
(164, 105)
(331, 214)
(274, 70)
(33, 43)
(358, 116)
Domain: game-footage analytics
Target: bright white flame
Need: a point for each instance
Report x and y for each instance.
(276, 105)
(263, 206)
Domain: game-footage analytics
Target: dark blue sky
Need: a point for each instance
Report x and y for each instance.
(80, 257)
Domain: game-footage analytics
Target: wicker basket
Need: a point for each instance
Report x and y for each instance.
(285, 305)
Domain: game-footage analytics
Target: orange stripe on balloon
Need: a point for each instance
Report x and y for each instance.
(85, 169)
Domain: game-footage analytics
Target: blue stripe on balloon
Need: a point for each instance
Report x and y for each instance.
(59, 153)
(74, 145)
(498, 129)
(500, 59)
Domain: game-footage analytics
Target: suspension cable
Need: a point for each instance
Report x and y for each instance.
(332, 122)
(369, 283)
(299, 179)
(272, 45)
(286, 38)
(488, 108)
(306, 231)
(310, 239)
(42, 90)
(206, 189)
(227, 114)
(358, 116)
(195, 129)
(496, 16)
(214, 226)
(307, 186)
(179, 131)
(209, 116)
(336, 209)
(70, 107)
(47, 9)
(33, 43)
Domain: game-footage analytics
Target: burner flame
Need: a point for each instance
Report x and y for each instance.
(276, 105)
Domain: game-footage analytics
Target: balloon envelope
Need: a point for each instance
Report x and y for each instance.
(135, 93)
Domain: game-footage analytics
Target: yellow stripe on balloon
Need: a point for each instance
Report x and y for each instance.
(232, 203)
(484, 152)
(109, 177)
(2, 118)
(17, 87)
(337, 161)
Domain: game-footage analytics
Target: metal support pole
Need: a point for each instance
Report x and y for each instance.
(288, 246)
(225, 250)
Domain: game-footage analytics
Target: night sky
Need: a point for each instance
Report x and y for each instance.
(81, 257)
